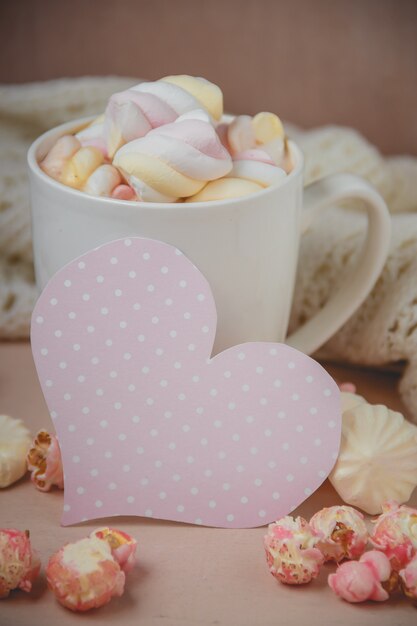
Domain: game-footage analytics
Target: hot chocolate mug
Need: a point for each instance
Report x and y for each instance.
(246, 247)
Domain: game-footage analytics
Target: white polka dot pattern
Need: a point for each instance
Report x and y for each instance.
(148, 423)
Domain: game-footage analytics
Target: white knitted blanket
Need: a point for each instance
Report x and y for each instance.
(384, 329)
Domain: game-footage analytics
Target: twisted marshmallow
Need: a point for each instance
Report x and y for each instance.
(252, 171)
(131, 114)
(174, 161)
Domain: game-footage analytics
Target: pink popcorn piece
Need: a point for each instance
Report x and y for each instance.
(86, 574)
(408, 579)
(343, 531)
(123, 546)
(348, 387)
(357, 581)
(19, 562)
(395, 534)
(45, 463)
(291, 551)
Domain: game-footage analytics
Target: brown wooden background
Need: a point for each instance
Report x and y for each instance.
(313, 62)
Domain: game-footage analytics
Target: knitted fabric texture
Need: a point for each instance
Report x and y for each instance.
(383, 330)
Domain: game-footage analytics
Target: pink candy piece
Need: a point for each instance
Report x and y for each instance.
(408, 577)
(395, 534)
(343, 530)
(45, 463)
(357, 581)
(348, 387)
(291, 551)
(19, 562)
(86, 574)
(124, 192)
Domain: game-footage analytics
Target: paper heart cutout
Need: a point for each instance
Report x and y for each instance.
(148, 423)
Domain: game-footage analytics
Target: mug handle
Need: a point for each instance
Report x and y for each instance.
(362, 277)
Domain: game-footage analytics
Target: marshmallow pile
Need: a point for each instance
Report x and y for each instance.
(166, 141)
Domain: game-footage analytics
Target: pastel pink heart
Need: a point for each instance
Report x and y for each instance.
(149, 424)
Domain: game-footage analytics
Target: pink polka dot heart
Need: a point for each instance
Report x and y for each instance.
(148, 423)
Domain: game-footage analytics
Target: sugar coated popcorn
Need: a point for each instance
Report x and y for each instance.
(357, 581)
(19, 562)
(343, 532)
(44, 461)
(86, 574)
(395, 534)
(291, 551)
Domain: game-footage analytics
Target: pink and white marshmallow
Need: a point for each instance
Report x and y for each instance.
(58, 156)
(103, 181)
(264, 131)
(174, 161)
(93, 135)
(252, 171)
(131, 114)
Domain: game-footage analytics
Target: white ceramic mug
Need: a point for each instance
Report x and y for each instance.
(246, 247)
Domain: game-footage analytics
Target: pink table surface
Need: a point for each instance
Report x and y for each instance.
(186, 575)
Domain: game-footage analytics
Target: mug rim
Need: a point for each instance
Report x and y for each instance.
(76, 125)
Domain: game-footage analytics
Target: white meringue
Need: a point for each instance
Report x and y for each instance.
(15, 440)
(350, 400)
(377, 459)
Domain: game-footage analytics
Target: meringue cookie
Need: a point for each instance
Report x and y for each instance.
(350, 400)
(357, 581)
(15, 440)
(173, 161)
(343, 532)
(377, 458)
(131, 114)
(291, 551)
